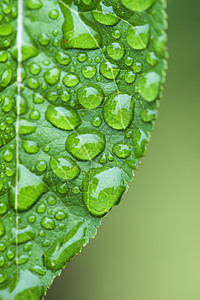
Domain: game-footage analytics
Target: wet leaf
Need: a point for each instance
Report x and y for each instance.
(79, 89)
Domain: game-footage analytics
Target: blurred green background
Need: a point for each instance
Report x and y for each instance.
(149, 247)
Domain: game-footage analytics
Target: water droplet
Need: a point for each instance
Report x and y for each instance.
(48, 223)
(10, 254)
(151, 58)
(139, 141)
(37, 99)
(65, 168)
(118, 111)
(71, 80)
(34, 115)
(3, 56)
(41, 208)
(21, 259)
(89, 71)
(85, 145)
(129, 77)
(60, 215)
(7, 155)
(34, 69)
(137, 67)
(96, 121)
(5, 29)
(138, 36)
(148, 115)
(63, 59)
(30, 146)
(128, 61)
(90, 96)
(102, 188)
(82, 56)
(6, 78)
(31, 219)
(108, 70)
(33, 83)
(41, 165)
(76, 190)
(2, 261)
(34, 4)
(139, 5)
(52, 76)
(149, 85)
(121, 150)
(53, 14)
(63, 118)
(7, 104)
(3, 208)
(26, 127)
(62, 188)
(23, 235)
(116, 50)
(38, 269)
(159, 44)
(30, 188)
(64, 248)
(105, 15)
(65, 96)
(44, 39)
(51, 200)
(116, 34)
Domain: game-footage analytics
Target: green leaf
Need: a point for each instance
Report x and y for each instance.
(79, 89)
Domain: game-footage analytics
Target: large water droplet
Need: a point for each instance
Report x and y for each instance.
(118, 111)
(108, 70)
(64, 248)
(23, 235)
(63, 58)
(65, 168)
(105, 15)
(140, 139)
(30, 188)
(48, 223)
(85, 145)
(34, 4)
(63, 118)
(102, 188)
(138, 36)
(30, 146)
(149, 85)
(26, 127)
(90, 96)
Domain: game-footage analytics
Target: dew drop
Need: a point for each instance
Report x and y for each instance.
(63, 59)
(71, 80)
(121, 150)
(48, 223)
(52, 76)
(64, 168)
(53, 14)
(34, 4)
(85, 145)
(116, 50)
(41, 165)
(139, 141)
(108, 70)
(138, 36)
(89, 71)
(148, 115)
(129, 77)
(102, 188)
(26, 127)
(149, 85)
(30, 146)
(7, 155)
(30, 188)
(118, 111)
(51, 200)
(96, 121)
(63, 118)
(90, 96)
(105, 15)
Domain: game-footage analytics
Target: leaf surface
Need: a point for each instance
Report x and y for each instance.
(79, 89)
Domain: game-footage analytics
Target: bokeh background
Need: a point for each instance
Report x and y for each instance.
(149, 247)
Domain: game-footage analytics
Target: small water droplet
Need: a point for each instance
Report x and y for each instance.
(65, 168)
